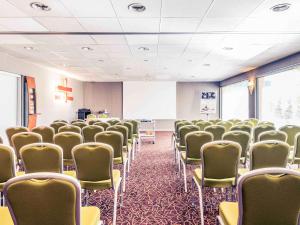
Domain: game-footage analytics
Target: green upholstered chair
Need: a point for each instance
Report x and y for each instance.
(67, 141)
(225, 124)
(57, 125)
(70, 128)
(89, 132)
(291, 131)
(241, 137)
(196, 121)
(115, 140)
(21, 139)
(235, 121)
(7, 168)
(295, 158)
(203, 124)
(136, 133)
(80, 124)
(178, 126)
(242, 127)
(216, 130)
(60, 121)
(46, 199)
(220, 161)
(46, 132)
(215, 121)
(272, 135)
(193, 141)
(253, 120)
(94, 169)
(1, 140)
(91, 116)
(259, 129)
(113, 121)
(77, 120)
(269, 196)
(14, 130)
(131, 139)
(265, 123)
(246, 122)
(92, 122)
(105, 125)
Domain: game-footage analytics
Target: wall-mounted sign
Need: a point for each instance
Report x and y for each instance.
(63, 92)
(208, 103)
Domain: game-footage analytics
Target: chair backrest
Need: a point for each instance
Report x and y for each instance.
(269, 154)
(43, 198)
(114, 139)
(90, 131)
(196, 121)
(93, 121)
(220, 160)
(93, 161)
(122, 129)
(21, 139)
(176, 122)
(181, 124)
(203, 124)
(269, 196)
(60, 121)
(80, 124)
(241, 137)
(242, 127)
(135, 125)
(184, 130)
(67, 141)
(253, 120)
(91, 116)
(70, 128)
(194, 141)
(259, 129)
(235, 121)
(216, 130)
(215, 121)
(113, 121)
(105, 125)
(46, 132)
(266, 123)
(77, 120)
(7, 163)
(42, 157)
(291, 131)
(246, 122)
(129, 126)
(14, 130)
(225, 124)
(57, 125)
(1, 140)
(272, 135)
(297, 147)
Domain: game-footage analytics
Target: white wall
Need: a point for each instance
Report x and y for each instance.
(46, 81)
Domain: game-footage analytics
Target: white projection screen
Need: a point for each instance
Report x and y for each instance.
(149, 100)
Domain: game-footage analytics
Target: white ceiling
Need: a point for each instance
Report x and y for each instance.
(224, 37)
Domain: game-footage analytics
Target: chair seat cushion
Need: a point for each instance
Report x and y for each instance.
(5, 216)
(189, 160)
(180, 147)
(119, 160)
(103, 184)
(71, 173)
(208, 182)
(229, 212)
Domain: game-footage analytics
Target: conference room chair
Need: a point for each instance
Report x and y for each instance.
(80, 124)
(196, 121)
(259, 129)
(193, 142)
(295, 158)
(220, 161)
(247, 122)
(216, 130)
(70, 128)
(93, 121)
(136, 133)
(94, 170)
(91, 117)
(115, 140)
(235, 121)
(265, 123)
(266, 154)
(67, 141)
(291, 131)
(46, 199)
(89, 132)
(21, 139)
(242, 127)
(1, 140)
(14, 130)
(225, 124)
(203, 124)
(46, 132)
(178, 126)
(131, 139)
(77, 120)
(241, 137)
(7, 167)
(113, 121)
(57, 125)
(269, 196)
(254, 121)
(60, 121)
(272, 135)
(105, 125)
(43, 157)
(215, 121)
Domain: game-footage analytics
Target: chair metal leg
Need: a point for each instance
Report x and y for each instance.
(200, 190)
(124, 176)
(184, 175)
(116, 190)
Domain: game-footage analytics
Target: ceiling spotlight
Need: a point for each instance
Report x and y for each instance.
(280, 7)
(143, 48)
(206, 64)
(136, 7)
(40, 6)
(87, 49)
(146, 60)
(100, 60)
(28, 48)
(228, 48)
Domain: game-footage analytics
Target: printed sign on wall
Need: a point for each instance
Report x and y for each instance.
(208, 103)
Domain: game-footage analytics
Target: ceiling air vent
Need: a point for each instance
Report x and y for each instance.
(280, 7)
(137, 7)
(40, 6)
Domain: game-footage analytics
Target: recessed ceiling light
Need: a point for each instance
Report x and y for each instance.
(228, 48)
(100, 60)
(87, 49)
(28, 48)
(280, 7)
(146, 60)
(144, 48)
(190, 60)
(137, 7)
(206, 64)
(40, 6)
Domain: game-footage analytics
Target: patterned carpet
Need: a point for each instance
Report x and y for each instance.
(155, 194)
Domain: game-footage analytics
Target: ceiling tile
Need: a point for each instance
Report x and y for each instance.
(142, 39)
(21, 24)
(15, 39)
(179, 24)
(100, 24)
(140, 25)
(60, 24)
(110, 39)
(181, 39)
(9, 10)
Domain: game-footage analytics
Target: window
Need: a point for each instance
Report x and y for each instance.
(10, 102)
(279, 98)
(235, 101)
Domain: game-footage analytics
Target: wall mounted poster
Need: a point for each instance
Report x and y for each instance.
(208, 103)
